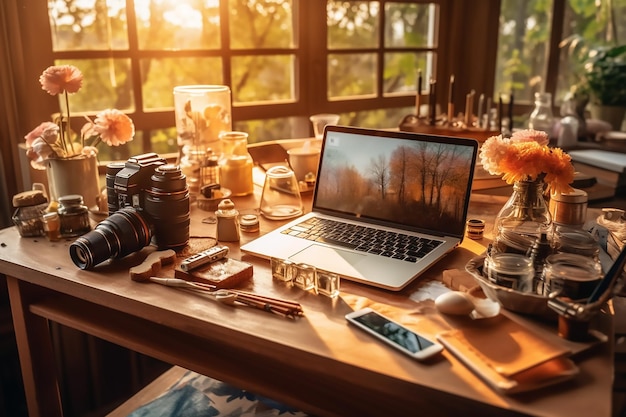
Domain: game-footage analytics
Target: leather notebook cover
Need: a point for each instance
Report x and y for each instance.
(507, 355)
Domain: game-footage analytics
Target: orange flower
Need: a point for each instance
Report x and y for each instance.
(114, 127)
(526, 156)
(59, 79)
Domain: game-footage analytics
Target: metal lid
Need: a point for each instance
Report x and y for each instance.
(29, 198)
(575, 196)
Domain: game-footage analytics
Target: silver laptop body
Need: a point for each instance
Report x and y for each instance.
(413, 189)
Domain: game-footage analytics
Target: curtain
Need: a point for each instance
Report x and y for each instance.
(10, 61)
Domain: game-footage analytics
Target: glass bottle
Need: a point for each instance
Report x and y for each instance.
(74, 215)
(522, 219)
(541, 118)
(236, 164)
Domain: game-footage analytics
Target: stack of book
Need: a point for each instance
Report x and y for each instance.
(608, 168)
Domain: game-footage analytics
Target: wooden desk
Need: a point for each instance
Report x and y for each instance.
(316, 363)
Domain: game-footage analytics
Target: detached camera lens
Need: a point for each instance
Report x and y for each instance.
(123, 232)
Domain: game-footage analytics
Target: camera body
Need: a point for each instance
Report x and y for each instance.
(130, 183)
(148, 201)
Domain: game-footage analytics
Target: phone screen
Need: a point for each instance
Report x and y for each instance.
(393, 332)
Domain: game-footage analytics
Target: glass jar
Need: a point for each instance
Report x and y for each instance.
(577, 241)
(29, 209)
(570, 275)
(541, 118)
(236, 164)
(202, 112)
(74, 216)
(569, 209)
(523, 218)
(510, 270)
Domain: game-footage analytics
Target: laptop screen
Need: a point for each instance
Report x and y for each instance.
(411, 181)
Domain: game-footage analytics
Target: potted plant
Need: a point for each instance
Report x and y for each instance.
(603, 78)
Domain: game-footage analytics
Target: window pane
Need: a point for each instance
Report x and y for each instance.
(351, 75)
(522, 47)
(268, 129)
(106, 84)
(88, 25)
(180, 24)
(263, 78)
(596, 26)
(353, 24)
(401, 70)
(261, 24)
(410, 25)
(162, 75)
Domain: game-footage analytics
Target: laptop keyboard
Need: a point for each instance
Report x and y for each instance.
(363, 238)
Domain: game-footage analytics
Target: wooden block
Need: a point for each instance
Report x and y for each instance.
(152, 265)
(459, 280)
(225, 273)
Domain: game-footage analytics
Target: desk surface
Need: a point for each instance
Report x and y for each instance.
(316, 363)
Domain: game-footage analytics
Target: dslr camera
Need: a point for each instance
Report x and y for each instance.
(148, 201)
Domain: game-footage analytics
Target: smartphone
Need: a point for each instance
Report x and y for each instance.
(394, 334)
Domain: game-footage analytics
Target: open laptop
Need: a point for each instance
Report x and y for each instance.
(393, 203)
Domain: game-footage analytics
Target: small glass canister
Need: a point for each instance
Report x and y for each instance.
(511, 270)
(569, 208)
(236, 164)
(572, 276)
(74, 215)
(577, 241)
(29, 209)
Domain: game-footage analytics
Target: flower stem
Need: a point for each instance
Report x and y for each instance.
(67, 106)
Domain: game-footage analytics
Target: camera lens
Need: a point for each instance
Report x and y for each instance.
(123, 232)
(112, 169)
(167, 205)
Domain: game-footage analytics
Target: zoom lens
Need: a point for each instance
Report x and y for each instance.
(167, 205)
(122, 233)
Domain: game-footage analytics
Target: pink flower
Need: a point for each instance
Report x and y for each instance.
(89, 151)
(114, 127)
(58, 79)
(47, 131)
(530, 135)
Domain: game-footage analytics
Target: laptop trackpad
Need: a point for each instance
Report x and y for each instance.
(330, 259)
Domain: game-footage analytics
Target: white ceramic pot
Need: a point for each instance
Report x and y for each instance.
(77, 175)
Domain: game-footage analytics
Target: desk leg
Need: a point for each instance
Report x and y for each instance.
(35, 350)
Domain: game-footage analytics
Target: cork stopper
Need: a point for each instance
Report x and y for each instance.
(29, 198)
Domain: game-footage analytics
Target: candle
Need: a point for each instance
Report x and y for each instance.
(488, 111)
(500, 113)
(511, 112)
(432, 101)
(469, 108)
(450, 102)
(418, 98)
(479, 117)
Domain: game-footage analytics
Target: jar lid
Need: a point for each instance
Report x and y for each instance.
(29, 198)
(226, 205)
(575, 196)
(71, 200)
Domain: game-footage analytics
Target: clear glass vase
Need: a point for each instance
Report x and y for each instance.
(523, 218)
(541, 118)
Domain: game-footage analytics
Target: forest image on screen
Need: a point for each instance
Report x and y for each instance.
(418, 183)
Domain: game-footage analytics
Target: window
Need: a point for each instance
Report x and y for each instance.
(283, 59)
(529, 59)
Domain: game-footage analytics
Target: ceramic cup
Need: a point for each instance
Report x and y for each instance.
(304, 160)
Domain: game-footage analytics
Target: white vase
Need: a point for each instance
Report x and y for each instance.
(77, 175)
